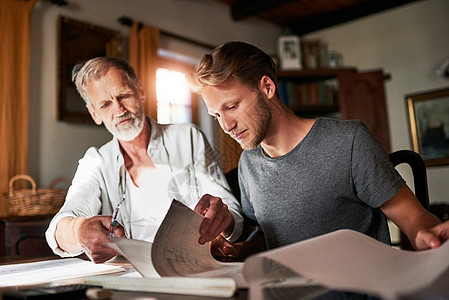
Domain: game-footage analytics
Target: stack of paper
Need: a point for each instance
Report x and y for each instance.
(344, 260)
(51, 270)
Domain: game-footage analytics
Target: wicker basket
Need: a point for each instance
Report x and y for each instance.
(34, 201)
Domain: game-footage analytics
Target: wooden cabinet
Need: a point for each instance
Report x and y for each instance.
(342, 93)
(24, 236)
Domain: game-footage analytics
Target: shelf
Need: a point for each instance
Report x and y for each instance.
(314, 109)
(316, 74)
(344, 93)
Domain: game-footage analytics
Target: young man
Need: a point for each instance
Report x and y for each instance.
(301, 178)
(139, 172)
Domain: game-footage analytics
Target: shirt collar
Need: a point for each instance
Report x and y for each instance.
(155, 136)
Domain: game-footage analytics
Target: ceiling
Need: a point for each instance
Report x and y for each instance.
(305, 16)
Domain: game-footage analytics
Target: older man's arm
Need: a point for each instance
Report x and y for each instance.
(88, 235)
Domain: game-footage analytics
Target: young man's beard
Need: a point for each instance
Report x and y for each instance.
(262, 123)
(129, 131)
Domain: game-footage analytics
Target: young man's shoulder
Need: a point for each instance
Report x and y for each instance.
(337, 123)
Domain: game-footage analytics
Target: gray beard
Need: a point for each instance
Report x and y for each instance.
(129, 131)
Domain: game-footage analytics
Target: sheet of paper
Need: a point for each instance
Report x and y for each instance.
(348, 260)
(51, 270)
(138, 253)
(176, 251)
(174, 255)
(225, 287)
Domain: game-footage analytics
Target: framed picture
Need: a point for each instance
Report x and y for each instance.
(77, 42)
(429, 125)
(312, 54)
(289, 52)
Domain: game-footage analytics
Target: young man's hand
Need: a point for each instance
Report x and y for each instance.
(251, 242)
(433, 237)
(217, 219)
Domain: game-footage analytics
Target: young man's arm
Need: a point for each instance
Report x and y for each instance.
(423, 229)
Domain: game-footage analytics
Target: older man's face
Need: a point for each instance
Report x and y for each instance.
(117, 104)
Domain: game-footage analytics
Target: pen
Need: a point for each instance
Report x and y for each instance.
(114, 220)
(115, 214)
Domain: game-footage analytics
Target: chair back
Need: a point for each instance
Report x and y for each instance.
(233, 181)
(416, 163)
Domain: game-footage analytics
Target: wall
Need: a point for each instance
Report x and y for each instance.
(56, 146)
(408, 42)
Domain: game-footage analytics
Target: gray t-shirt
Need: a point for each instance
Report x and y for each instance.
(337, 177)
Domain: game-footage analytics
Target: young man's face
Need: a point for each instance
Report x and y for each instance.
(116, 104)
(242, 112)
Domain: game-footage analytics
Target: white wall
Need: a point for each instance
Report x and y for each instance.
(409, 43)
(56, 146)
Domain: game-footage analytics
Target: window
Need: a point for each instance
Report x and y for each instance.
(175, 102)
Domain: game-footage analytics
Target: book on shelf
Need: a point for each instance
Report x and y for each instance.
(300, 95)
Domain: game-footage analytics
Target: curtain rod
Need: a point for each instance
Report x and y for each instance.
(55, 2)
(128, 22)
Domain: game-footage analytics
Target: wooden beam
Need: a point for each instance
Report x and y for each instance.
(346, 15)
(251, 8)
(128, 22)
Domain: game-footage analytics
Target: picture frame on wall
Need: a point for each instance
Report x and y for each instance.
(312, 57)
(79, 41)
(428, 114)
(289, 52)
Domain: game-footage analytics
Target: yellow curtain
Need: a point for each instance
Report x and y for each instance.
(15, 36)
(143, 45)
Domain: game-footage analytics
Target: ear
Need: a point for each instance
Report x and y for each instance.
(94, 115)
(267, 86)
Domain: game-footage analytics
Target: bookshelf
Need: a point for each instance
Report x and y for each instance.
(343, 93)
(311, 93)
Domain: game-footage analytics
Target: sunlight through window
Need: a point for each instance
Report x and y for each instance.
(174, 103)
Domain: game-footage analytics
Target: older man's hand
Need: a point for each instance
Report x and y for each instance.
(88, 234)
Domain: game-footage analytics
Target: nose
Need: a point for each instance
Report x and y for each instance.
(227, 123)
(119, 109)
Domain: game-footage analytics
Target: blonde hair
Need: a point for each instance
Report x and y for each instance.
(241, 61)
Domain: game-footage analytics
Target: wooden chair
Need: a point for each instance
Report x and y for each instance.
(418, 168)
(233, 181)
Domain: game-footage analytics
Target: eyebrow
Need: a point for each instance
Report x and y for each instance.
(225, 104)
(222, 107)
(101, 102)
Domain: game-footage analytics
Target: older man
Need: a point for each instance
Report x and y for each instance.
(138, 173)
